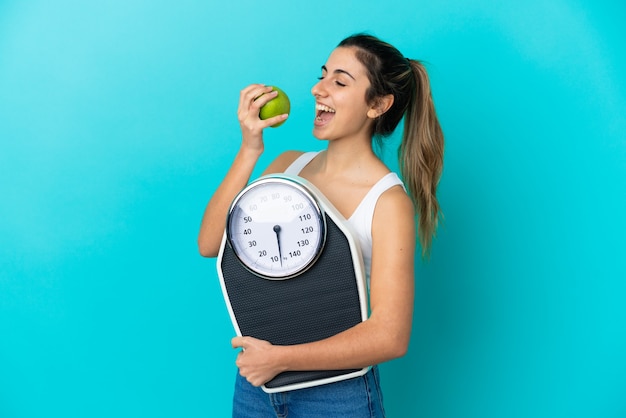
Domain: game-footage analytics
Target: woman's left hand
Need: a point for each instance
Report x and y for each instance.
(257, 361)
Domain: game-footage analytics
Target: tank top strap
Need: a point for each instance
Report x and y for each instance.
(299, 163)
(368, 203)
(361, 218)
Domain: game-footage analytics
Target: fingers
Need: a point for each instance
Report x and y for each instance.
(255, 90)
(246, 342)
(255, 360)
(276, 119)
(238, 342)
(255, 96)
(252, 91)
(251, 100)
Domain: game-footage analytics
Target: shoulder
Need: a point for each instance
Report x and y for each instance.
(394, 210)
(395, 201)
(284, 160)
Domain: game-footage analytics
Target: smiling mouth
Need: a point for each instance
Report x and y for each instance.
(324, 113)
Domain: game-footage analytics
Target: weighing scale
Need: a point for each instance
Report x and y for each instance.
(291, 271)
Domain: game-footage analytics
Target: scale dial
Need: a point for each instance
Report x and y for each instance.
(276, 227)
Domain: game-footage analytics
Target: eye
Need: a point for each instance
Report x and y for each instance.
(339, 83)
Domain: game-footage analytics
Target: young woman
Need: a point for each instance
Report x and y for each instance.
(366, 87)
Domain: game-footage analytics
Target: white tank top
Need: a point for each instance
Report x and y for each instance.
(361, 219)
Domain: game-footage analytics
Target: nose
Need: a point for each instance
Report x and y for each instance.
(318, 89)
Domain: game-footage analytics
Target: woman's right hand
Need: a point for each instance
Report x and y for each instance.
(251, 99)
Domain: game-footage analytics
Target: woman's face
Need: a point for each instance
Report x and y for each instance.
(340, 107)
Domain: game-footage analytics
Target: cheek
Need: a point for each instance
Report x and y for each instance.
(357, 113)
(356, 121)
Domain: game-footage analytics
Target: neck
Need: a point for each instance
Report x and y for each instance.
(345, 157)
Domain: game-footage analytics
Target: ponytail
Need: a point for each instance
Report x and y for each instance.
(421, 152)
(421, 155)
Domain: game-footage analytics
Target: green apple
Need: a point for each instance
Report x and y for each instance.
(277, 106)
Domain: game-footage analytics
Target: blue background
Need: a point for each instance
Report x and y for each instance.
(118, 119)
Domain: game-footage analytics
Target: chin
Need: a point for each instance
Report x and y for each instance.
(319, 135)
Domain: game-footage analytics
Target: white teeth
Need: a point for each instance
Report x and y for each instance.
(324, 108)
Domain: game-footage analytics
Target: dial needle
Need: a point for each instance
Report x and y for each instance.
(280, 254)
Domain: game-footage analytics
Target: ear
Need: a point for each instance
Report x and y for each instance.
(381, 105)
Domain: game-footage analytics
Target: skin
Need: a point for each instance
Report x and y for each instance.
(344, 173)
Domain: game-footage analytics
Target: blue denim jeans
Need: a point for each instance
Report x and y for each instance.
(357, 397)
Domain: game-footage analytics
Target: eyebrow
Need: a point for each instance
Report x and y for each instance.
(339, 71)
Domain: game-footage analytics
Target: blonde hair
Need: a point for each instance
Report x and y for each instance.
(420, 153)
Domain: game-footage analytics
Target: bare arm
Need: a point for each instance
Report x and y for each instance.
(214, 219)
(384, 335)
